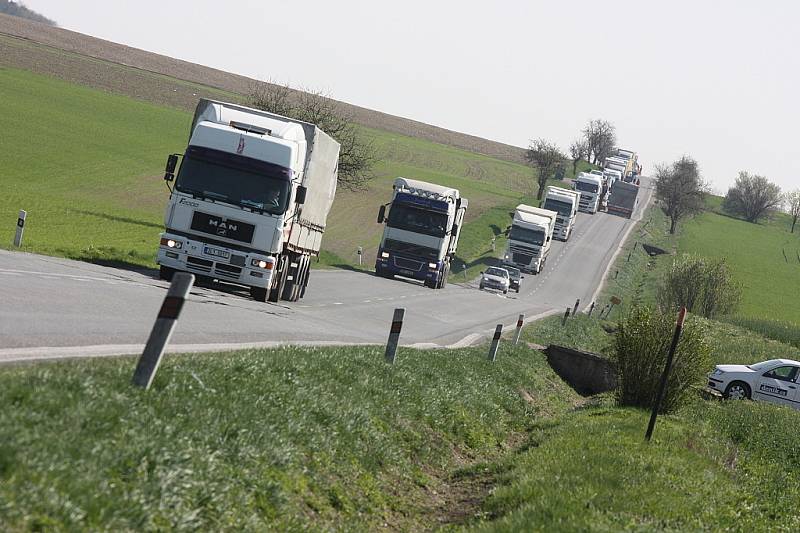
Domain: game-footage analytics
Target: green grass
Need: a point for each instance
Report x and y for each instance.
(755, 254)
(86, 165)
(284, 439)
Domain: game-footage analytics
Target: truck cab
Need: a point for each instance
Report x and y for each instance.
(529, 238)
(565, 203)
(590, 187)
(421, 234)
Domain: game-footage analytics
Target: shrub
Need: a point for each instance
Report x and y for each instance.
(704, 286)
(642, 343)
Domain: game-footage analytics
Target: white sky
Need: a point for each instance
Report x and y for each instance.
(717, 80)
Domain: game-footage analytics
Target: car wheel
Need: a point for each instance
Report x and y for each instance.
(737, 390)
(517, 290)
(480, 286)
(505, 291)
(166, 273)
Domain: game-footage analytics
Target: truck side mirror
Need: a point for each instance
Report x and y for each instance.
(381, 214)
(169, 171)
(300, 195)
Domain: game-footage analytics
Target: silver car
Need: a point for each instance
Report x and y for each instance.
(495, 278)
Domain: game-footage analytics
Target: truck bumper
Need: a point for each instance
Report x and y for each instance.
(217, 262)
(408, 267)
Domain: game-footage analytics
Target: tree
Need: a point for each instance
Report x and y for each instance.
(704, 286)
(356, 156)
(793, 202)
(545, 157)
(601, 138)
(577, 151)
(17, 9)
(679, 190)
(752, 197)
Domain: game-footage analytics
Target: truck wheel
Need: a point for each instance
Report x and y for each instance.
(166, 273)
(306, 274)
(280, 279)
(429, 284)
(259, 294)
(443, 280)
(291, 288)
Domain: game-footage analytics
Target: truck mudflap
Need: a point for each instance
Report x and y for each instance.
(183, 254)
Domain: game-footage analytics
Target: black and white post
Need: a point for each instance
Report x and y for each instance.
(498, 331)
(575, 309)
(162, 329)
(517, 333)
(360, 255)
(20, 228)
(394, 334)
(566, 316)
(662, 386)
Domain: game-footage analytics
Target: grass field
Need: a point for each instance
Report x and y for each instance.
(86, 165)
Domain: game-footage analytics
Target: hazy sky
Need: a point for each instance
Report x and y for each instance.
(718, 80)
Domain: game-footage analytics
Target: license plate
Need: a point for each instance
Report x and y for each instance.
(224, 254)
(406, 272)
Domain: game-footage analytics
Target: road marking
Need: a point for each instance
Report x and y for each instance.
(338, 303)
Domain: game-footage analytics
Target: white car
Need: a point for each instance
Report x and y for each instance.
(776, 380)
(495, 278)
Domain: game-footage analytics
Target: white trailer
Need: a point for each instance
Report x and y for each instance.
(250, 201)
(529, 238)
(565, 203)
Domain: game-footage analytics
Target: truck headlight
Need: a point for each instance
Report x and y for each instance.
(432, 266)
(171, 243)
(261, 263)
(385, 255)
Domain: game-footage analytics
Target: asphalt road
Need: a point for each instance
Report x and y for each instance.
(51, 308)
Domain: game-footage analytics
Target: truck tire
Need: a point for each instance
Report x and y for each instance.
(445, 275)
(259, 294)
(291, 288)
(280, 279)
(166, 273)
(305, 275)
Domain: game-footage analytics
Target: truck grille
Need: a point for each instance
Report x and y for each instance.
(521, 259)
(407, 264)
(227, 270)
(203, 265)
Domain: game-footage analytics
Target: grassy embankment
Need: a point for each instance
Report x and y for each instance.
(86, 165)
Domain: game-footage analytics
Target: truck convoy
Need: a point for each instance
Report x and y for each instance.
(421, 233)
(622, 199)
(565, 203)
(590, 187)
(529, 238)
(250, 200)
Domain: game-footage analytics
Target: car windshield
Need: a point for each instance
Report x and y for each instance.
(531, 236)
(215, 175)
(417, 220)
(513, 273)
(499, 272)
(562, 208)
(764, 364)
(585, 187)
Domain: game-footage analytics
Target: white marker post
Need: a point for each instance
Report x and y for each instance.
(360, 255)
(394, 334)
(162, 329)
(20, 228)
(517, 334)
(498, 331)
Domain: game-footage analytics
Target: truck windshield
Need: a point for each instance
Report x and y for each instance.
(585, 187)
(531, 236)
(242, 181)
(562, 208)
(417, 220)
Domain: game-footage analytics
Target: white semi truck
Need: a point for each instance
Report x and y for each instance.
(565, 203)
(421, 233)
(590, 187)
(250, 200)
(529, 238)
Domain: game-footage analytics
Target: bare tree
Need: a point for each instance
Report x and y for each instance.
(752, 197)
(601, 138)
(793, 202)
(680, 190)
(545, 157)
(356, 156)
(577, 151)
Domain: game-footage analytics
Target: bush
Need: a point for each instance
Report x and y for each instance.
(704, 286)
(642, 344)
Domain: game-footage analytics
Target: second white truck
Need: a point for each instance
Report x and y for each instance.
(529, 238)
(590, 187)
(565, 203)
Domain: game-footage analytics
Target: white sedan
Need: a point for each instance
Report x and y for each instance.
(776, 380)
(495, 278)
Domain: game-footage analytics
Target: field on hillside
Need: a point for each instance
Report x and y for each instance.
(86, 165)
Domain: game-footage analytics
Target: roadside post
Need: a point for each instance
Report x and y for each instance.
(575, 309)
(464, 266)
(360, 255)
(20, 228)
(517, 333)
(566, 316)
(614, 301)
(394, 334)
(162, 329)
(498, 331)
(591, 309)
(662, 386)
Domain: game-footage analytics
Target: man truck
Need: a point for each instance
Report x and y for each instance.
(622, 200)
(590, 187)
(529, 238)
(565, 203)
(250, 200)
(421, 233)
